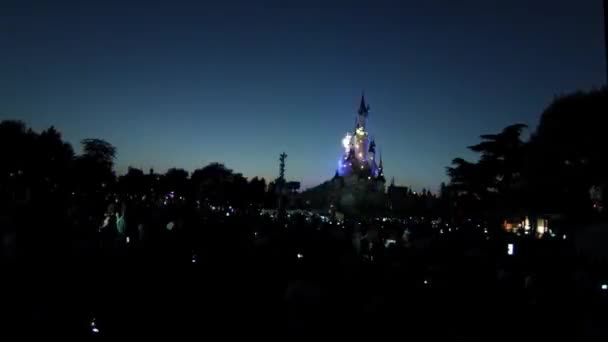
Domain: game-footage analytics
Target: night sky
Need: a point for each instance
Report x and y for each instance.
(185, 84)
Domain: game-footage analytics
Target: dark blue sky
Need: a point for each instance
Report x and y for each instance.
(187, 83)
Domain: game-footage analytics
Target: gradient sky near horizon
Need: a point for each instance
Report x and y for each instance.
(185, 83)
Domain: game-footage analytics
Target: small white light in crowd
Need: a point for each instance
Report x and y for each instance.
(426, 282)
(94, 326)
(227, 214)
(604, 287)
(389, 242)
(449, 229)
(485, 231)
(255, 234)
(510, 249)
(194, 259)
(564, 236)
(300, 256)
(128, 239)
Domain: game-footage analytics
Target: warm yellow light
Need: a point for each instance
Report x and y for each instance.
(526, 223)
(542, 226)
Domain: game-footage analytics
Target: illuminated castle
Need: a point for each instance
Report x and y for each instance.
(360, 156)
(358, 186)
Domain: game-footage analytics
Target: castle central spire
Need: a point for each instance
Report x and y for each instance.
(363, 108)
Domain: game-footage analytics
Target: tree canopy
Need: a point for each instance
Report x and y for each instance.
(554, 172)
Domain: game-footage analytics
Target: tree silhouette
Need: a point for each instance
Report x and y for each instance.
(133, 182)
(256, 191)
(563, 169)
(99, 151)
(55, 157)
(217, 184)
(36, 164)
(93, 173)
(176, 180)
(489, 186)
(17, 147)
(568, 155)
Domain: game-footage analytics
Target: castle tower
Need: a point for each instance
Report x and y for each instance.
(359, 149)
(363, 113)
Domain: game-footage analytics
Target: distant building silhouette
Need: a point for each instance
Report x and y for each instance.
(398, 197)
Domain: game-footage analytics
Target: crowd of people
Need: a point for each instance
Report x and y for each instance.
(169, 265)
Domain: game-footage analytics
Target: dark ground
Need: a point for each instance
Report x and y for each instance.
(256, 286)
